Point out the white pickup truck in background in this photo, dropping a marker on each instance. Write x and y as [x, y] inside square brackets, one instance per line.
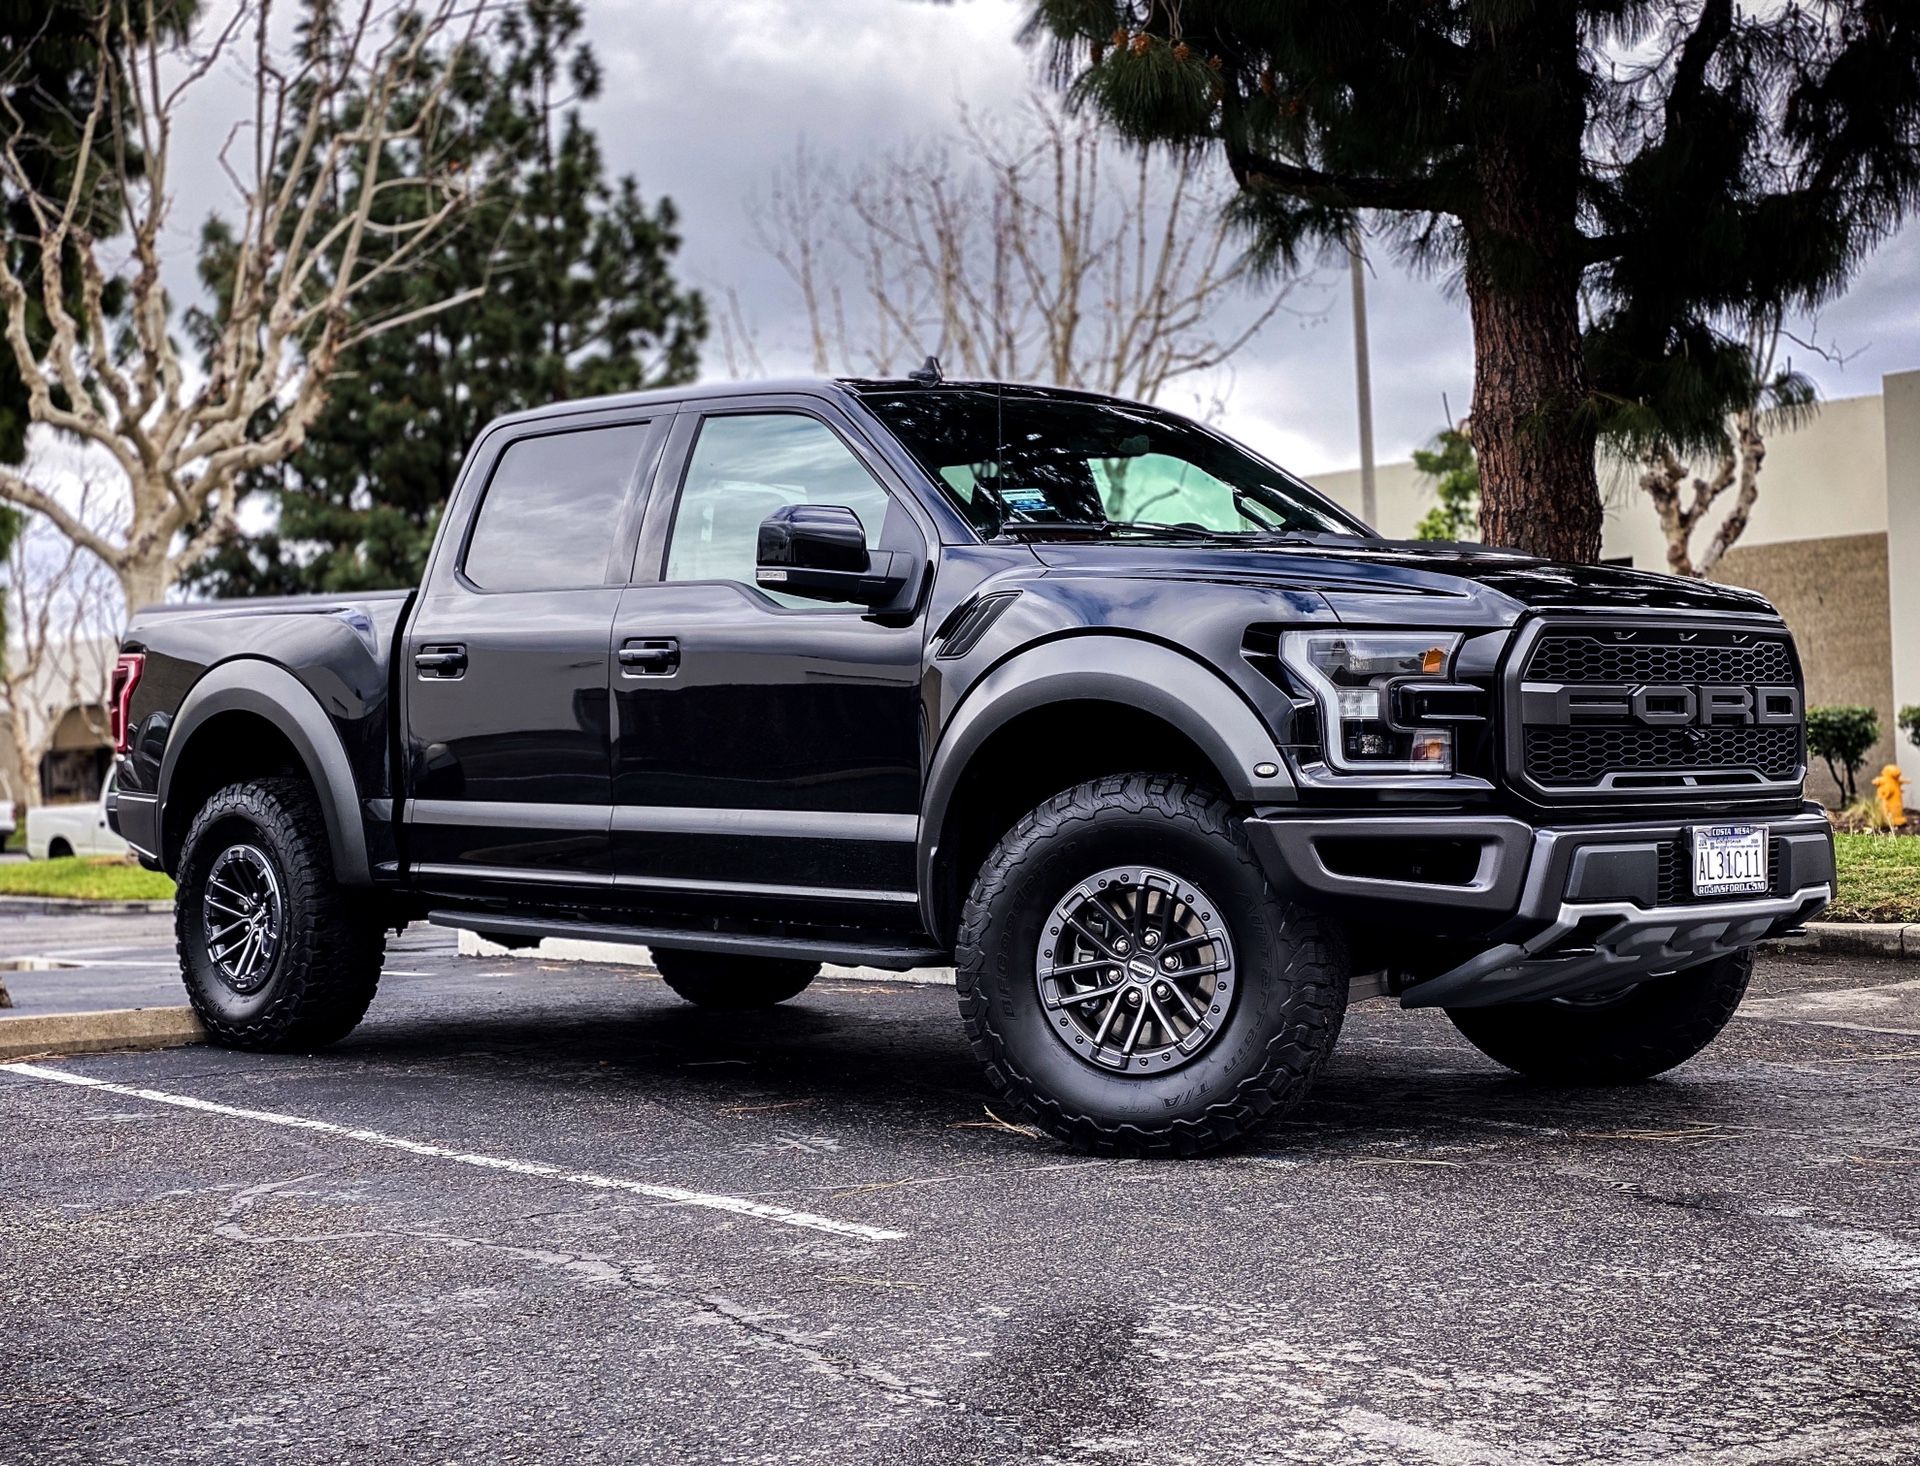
[57, 830]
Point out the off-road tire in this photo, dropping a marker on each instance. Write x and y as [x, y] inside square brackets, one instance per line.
[1292, 974]
[717, 980]
[1645, 1031]
[327, 965]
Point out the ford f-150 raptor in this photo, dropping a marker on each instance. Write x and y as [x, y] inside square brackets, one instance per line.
[1167, 753]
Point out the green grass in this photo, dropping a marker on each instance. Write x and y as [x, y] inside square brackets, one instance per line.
[83, 879]
[1879, 879]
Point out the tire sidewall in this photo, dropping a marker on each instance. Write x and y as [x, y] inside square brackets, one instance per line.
[236, 816]
[1028, 1038]
[1648, 1030]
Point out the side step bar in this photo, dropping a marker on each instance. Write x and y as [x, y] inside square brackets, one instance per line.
[844, 954]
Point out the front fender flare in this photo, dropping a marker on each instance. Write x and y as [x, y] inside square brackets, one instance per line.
[269, 691]
[1147, 675]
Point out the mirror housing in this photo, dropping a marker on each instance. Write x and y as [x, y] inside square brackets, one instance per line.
[820, 551]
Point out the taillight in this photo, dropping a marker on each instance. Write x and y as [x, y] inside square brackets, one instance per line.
[126, 677]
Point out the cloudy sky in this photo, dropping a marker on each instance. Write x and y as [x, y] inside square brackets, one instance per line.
[703, 101]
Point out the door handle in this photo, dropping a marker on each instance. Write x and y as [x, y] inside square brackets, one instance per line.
[655, 657]
[440, 662]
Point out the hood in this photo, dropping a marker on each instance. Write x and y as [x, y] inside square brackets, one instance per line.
[1377, 581]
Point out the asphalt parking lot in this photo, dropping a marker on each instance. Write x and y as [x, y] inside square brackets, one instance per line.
[547, 1212]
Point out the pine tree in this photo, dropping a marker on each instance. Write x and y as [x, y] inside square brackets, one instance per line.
[579, 298]
[1621, 184]
[1450, 463]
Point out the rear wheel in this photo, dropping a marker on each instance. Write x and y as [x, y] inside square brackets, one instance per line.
[1131, 982]
[717, 980]
[275, 952]
[1615, 1038]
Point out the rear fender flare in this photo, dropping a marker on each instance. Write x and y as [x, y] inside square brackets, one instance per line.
[1147, 675]
[269, 691]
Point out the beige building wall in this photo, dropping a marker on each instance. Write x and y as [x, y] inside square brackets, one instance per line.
[1903, 566]
[1833, 593]
[1826, 477]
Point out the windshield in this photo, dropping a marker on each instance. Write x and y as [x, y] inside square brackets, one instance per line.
[1021, 461]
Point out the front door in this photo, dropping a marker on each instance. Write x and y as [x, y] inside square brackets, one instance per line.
[506, 664]
[766, 748]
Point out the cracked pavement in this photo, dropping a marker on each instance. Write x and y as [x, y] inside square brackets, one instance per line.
[1432, 1261]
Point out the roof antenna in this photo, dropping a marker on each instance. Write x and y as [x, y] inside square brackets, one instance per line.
[927, 374]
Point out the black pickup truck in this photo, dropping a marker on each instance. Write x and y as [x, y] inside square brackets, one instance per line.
[1168, 754]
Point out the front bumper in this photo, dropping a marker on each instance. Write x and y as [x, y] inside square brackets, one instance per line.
[1555, 911]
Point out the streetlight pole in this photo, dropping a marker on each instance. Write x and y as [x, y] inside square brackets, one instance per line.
[1363, 377]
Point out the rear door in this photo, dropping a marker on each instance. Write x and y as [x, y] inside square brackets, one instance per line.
[505, 664]
[766, 748]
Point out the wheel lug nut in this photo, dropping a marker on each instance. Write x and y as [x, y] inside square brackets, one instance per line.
[1120, 944]
[1160, 989]
[1133, 998]
[1170, 962]
[1152, 939]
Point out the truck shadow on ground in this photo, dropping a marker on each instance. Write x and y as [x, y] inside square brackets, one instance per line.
[1392, 1085]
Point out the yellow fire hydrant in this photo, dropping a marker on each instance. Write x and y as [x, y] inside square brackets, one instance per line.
[1890, 787]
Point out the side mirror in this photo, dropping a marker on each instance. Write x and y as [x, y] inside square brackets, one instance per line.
[820, 551]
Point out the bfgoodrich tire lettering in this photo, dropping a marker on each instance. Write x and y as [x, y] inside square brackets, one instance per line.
[1290, 973]
[1643, 1032]
[326, 946]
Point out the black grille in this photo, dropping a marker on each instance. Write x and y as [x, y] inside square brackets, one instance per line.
[1676, 875]
[1606, 749]
[1576, 657]
[1583, 755]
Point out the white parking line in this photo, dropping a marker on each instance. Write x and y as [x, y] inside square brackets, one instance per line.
[675, 1194]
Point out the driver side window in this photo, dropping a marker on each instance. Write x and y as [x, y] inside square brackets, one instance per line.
[746, 465]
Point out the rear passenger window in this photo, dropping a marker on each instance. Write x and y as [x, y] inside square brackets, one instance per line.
[548, 520]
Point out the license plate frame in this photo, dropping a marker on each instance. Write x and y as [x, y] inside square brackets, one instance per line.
[1729, 860]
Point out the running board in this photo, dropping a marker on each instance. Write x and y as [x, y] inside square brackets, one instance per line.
[842, 954]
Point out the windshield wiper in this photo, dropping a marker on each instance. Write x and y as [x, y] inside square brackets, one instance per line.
[1100, 528]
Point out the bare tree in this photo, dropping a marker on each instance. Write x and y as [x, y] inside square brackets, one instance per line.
[1781, 397]
[342, 134]
[63, 610]
[1033, 248]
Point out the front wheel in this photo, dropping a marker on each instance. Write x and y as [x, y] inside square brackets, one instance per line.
[1128, 978]
[275, 952]
[1620, 1038]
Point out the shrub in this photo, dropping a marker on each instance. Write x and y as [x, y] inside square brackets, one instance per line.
[1843, 736]
[1909, 721]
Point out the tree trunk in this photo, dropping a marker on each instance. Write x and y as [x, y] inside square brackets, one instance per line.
[1539, 491]
[144, 581]
[25, 774]
[1532, 425]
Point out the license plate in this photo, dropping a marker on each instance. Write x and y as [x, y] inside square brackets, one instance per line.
[1730, 860]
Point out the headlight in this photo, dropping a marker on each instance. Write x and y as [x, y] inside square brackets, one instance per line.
[1356, 678]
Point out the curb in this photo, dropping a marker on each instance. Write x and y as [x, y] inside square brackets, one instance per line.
[57, 905]
[1854, 939]
[93, 1033]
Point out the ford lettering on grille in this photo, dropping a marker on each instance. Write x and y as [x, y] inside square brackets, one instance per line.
[1624, 711]
[1657, 704]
